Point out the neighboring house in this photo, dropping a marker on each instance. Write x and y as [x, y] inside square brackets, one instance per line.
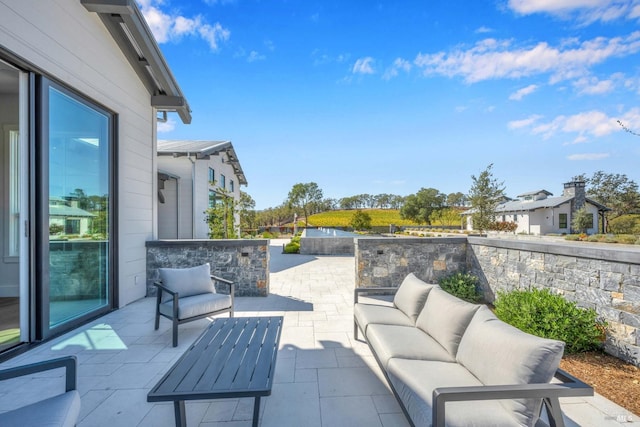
[192, 177]
[68, 218]
[537, 213]
[82, 83]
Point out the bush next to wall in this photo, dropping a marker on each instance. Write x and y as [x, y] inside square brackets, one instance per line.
[463, 285]
[542, 313]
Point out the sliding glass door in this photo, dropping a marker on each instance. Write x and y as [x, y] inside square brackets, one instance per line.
[76, 208]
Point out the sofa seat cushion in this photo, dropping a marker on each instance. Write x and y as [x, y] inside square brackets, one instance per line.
[498, 353]
[445, 317]
[62, 410]
[368, 314]
[406, 342]
[415, 380]
[411, 296]
[197, 305]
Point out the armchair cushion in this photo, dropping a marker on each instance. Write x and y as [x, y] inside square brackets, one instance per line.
[187, 281]
[59, 411]
[411, 296]
[197, 305]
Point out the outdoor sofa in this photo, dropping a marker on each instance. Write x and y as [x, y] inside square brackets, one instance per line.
[450, 362]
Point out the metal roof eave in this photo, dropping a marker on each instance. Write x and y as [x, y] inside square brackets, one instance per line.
[127, 26]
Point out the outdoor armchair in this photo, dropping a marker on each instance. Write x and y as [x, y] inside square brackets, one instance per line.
[188, 294]
[61, 410]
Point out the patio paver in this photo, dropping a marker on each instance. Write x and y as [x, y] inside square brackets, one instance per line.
[324, 378]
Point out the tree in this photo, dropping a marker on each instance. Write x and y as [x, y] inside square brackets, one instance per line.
[456, 199]
[304, 197]
[485, 195]
[360, 221]
[447, 217]
[246, 210]
[419, 207]
[582, 220]
[220, 217]
[615, 191]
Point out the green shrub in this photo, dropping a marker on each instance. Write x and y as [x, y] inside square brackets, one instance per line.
[462, 285]
[292, 248]
[547, 315]
[267, 235]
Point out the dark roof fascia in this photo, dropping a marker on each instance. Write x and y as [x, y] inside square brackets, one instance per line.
[533, 193]
[600, 207]
[127, 26]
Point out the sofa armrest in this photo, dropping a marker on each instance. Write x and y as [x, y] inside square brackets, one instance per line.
[386, 289]
[162, 288]
[68, 362]
[570, 387]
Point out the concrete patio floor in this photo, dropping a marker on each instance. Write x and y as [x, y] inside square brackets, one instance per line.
[324, 378]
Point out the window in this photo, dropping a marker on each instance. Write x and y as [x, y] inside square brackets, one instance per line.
[222, 182]
[212, 199]
[562, 220]
[231, 186]
[212, 175]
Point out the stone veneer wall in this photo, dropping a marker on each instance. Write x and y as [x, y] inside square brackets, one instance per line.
[246, 262]
[387, 261]
[606, 278]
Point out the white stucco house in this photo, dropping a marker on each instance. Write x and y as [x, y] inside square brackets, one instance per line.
[538, 212]
[82, 83]
[192, 177]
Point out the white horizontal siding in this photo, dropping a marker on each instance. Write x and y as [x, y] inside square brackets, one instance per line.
[71, 45]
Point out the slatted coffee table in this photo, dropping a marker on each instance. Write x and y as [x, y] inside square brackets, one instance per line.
[234, 357]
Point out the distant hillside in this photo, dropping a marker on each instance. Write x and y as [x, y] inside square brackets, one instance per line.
[342, 218]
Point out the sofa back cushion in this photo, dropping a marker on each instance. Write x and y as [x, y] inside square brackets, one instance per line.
[411, 295]
[187, 281]
[497, 353]
[445, 317]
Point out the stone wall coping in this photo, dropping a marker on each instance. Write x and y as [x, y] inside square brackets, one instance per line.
[206, 242]
[403, 240]
[610, 252]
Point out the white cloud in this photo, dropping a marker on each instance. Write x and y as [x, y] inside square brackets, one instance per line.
[588, 123]
[517, 124]
[398, 65]
[585, 11]
[588, 156]
[594, 86]
[254, 56]
[521, 93]
[168, 126]
[493, 59]
[483, 30]
[167, 27]
[363, 66]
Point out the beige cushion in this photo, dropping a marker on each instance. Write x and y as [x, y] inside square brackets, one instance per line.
[407, 342]
[368, 314]
[498, 353]
[414, 381]
[445, 317]
[197, 305]
[411, 295]
[187, 281]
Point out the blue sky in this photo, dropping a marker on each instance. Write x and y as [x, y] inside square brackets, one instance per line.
[393, 96]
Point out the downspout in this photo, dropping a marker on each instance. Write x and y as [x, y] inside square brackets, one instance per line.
[193, 196]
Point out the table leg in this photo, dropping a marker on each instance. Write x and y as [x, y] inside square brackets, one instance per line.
[180, 413]
[256, 411]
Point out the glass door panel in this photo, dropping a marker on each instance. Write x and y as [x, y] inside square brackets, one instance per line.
[78, 198]
[11, 327]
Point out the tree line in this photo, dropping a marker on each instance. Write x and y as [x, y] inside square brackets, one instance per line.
[429, 205]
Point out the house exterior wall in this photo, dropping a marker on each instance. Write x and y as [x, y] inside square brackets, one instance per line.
[70, 44]
[192, 218]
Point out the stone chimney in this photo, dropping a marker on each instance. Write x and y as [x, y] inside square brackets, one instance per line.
[577, 190]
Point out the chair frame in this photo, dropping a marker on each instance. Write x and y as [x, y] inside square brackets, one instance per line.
[176, 305]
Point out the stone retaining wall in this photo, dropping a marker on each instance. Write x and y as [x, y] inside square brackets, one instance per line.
[603, 277]
[326, 245]
[246, 262]
[386, 261]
